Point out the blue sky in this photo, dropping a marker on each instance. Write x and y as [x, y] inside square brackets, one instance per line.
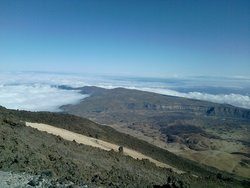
[142, 38]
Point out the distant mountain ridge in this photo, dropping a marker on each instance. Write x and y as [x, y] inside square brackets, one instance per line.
[165, 102]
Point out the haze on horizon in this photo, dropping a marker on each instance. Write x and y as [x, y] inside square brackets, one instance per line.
[142, 38]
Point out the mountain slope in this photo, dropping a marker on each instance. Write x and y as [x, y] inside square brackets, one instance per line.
[190, 128]
[26, 149]
[94, 142]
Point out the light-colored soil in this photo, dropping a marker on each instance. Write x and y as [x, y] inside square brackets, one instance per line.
[69, 135]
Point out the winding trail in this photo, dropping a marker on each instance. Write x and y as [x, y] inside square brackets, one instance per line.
[79, 138]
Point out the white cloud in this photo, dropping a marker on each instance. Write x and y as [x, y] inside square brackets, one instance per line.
[233, 99]
[37, 97]
[35, 91]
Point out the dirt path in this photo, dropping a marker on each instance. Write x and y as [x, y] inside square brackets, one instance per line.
[79, 138]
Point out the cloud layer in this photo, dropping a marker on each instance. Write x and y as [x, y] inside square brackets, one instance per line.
[233, 99]
[37, 97]
[37, 92]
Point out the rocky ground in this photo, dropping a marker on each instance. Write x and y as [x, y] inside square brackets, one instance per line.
[51, 161]
[24, 180]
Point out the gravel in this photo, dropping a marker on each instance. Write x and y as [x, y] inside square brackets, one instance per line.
[24, 180]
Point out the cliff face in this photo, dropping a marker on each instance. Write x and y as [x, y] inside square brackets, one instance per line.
[210, 110]
[228, 111]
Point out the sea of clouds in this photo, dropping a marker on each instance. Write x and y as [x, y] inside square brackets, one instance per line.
[39, 91]
[37, 97]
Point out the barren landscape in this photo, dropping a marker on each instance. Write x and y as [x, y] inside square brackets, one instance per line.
[208, 133]
[124, 94]
[51, 160]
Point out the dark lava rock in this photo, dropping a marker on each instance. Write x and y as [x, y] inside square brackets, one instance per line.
[33, 182]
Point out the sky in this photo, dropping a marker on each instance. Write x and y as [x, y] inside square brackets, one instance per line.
[159, 38]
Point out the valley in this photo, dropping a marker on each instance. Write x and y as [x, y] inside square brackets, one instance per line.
[205, 132]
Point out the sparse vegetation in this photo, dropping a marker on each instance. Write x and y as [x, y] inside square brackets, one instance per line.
[194, 125]
[25, 149]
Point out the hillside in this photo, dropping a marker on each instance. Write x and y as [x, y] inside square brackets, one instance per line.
[208, 133]
[24, 149]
